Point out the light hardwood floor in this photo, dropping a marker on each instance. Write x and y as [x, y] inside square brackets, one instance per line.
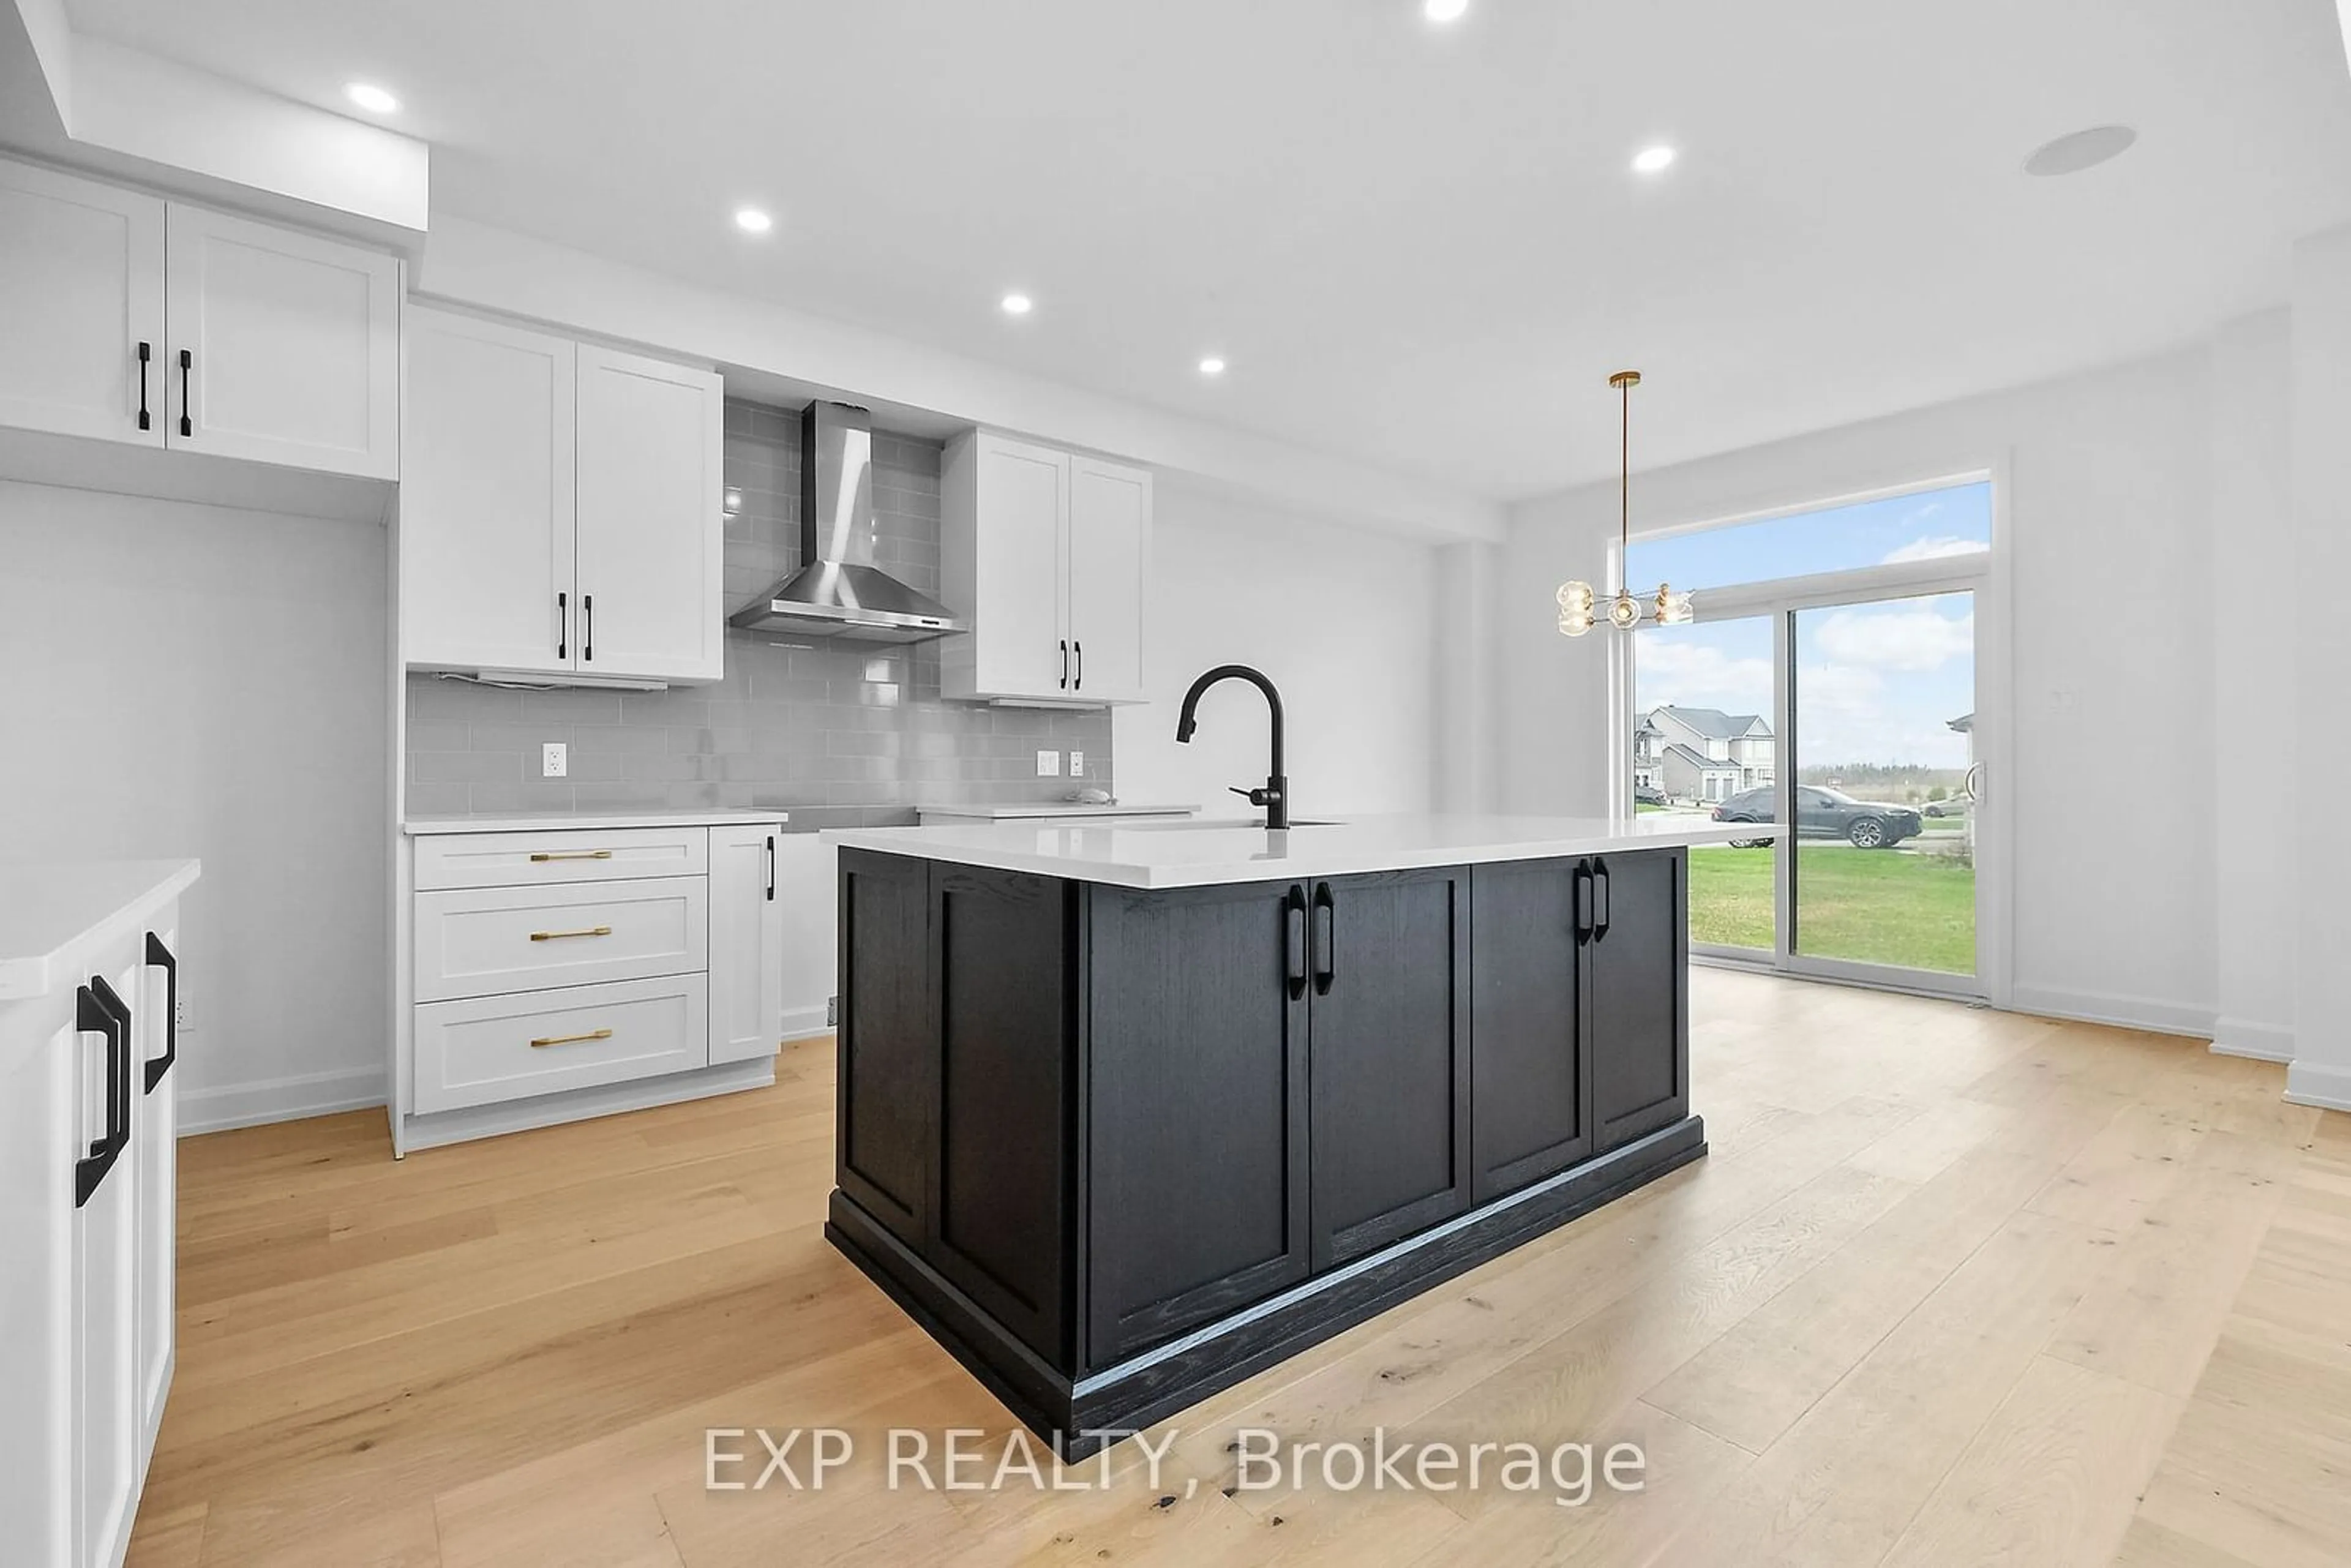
[1953, 1287]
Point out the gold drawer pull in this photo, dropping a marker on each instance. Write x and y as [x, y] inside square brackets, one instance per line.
[541, 855]
[571, 1039]
[558, 935]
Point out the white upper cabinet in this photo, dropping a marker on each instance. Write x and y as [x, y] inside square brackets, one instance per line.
[127, 318]
[652, 525]
[285, 348]
[1110, 540]
[81, 295]
[1046, 550]
[560, 508]
[485, 496]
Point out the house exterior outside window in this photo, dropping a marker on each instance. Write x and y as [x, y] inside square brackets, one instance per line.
[1702, 755]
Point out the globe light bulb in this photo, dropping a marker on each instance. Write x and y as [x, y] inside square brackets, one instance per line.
[1574, 623]
[1624, 612]
[1576, 598]
[1684, 611]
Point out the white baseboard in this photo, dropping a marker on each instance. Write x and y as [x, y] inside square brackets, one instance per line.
[805, 1023]
[445, 1127]
[2254, 1042]
[2108, 1007]
[218, 1109]
[2328, 1088]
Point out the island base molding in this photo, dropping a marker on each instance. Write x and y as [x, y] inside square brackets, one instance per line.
[1079, 1417]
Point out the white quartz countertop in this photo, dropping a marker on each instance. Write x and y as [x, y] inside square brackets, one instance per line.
[1204, 854]
[50, 911]
[1029, 810]
[590, 822]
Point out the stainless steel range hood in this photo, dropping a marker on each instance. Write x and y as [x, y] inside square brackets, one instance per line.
[839, 592]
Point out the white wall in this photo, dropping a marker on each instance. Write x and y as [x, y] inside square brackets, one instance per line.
[1343, 622]
[2320, 644]
[2257, 776]
[187, 680]
[2107, 509]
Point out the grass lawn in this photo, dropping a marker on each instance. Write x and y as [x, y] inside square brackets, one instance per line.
[1875, 906]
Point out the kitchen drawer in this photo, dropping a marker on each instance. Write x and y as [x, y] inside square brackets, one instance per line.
[485, 1050]
[552, 859]
[486, 941]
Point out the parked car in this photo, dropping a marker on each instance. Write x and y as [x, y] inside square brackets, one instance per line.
[1825, 813]
[1957, 805]
[1648, 795]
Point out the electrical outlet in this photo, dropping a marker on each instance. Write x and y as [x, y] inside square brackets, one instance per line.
[184, 1015]
[1049, 765]
[832, 1013]
[554, 759]
[1077, 764]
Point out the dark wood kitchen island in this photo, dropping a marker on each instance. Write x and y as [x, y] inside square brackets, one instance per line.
[1127, 1114]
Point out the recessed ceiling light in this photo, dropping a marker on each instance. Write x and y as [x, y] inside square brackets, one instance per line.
[372, 99]
[1443, 10]
[1018, 305]
[752, 221]
[1653, 160]
[1212, 366]
[2081, 150]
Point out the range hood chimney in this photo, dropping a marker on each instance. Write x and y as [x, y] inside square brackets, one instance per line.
[838, 592]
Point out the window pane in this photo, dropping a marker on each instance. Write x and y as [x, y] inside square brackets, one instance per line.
[1885, 705]
[1702, 745]
[1921, 526]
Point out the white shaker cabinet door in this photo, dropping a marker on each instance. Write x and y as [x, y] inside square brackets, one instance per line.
[1020, 631]
[284, 347]
[1110, 543]
[649, 567]
[486, 497]
[155, 1128]
[104, 1288]
[747, 945]
[81, 294]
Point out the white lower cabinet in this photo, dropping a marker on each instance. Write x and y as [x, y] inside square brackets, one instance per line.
[88, 1202]
[545, 962]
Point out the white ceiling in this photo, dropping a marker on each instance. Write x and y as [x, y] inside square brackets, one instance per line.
[1421, 246]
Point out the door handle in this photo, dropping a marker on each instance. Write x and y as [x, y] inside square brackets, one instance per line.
[559, 936]
[562, 625]
[97, 1011]
[1079, 685]
[187, 420]
[1326, 939]
[1294, 939]
[159, 957]
[587, 627]
[543, 1041]
[1065, 663]
[1582, 913]
[771, 868]
[146, 352]
[1600, 900]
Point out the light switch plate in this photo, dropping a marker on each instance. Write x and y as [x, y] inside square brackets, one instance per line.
[1049, 765]
[1077, 764]
[554, 759]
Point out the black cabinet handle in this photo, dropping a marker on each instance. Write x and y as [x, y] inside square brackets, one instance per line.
[562, 625]
[1079, 685]
[1326, 939]
[771, 868]
[587, 627]
[1065, 663]
[187, 423]
[97, 1011]
[1294, 939]
[1600, 900]
[159, 957]
[1582, 901]
[146, 352]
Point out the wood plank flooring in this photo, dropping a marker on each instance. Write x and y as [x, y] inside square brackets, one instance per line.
[1953, 1287]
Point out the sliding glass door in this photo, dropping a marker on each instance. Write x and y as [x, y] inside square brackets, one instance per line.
[1843, 704]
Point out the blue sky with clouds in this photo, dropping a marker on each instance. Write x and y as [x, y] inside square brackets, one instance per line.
[1875, 682]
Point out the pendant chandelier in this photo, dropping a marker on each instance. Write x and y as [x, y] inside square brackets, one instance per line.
[1579, 607]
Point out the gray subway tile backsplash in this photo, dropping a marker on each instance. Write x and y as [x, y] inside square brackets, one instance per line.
[840, 734]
